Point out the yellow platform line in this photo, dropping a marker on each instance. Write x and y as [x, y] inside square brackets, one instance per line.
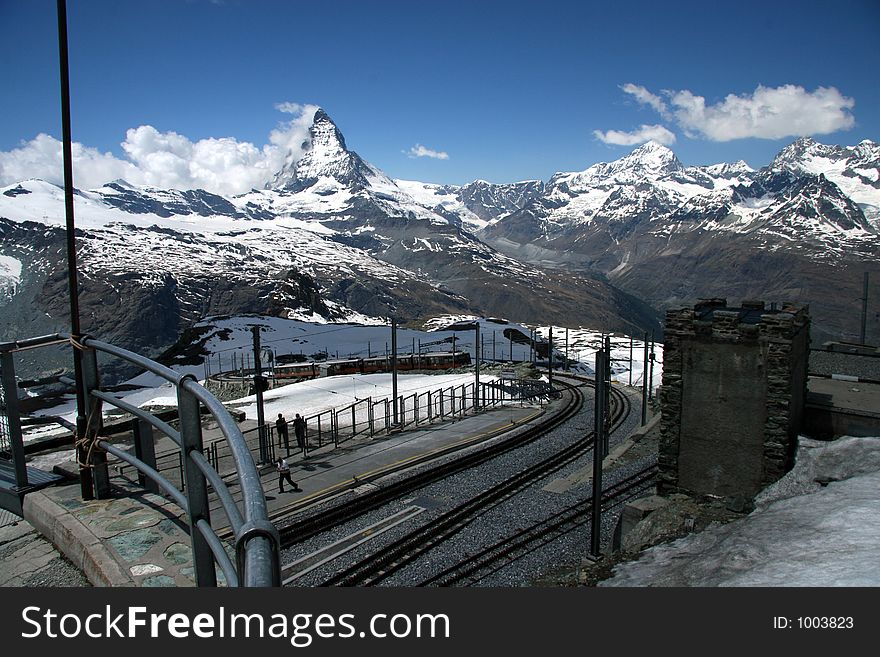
[366, 477]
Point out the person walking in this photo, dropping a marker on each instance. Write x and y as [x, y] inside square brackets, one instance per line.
[283, 470]
[283, 437]
[299, 430]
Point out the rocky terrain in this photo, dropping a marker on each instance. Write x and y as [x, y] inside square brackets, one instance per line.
[332, 238]
[804, 228]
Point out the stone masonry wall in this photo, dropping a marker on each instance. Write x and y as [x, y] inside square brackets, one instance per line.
[764, 359]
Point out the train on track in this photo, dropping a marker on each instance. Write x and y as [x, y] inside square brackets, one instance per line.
[425, 361]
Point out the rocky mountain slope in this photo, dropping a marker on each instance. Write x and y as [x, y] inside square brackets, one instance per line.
[329, 238]
[805, 228]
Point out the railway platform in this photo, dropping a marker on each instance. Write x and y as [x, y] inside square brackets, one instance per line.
[139, 538]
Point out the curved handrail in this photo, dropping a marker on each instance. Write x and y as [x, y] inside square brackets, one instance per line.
[257, 552]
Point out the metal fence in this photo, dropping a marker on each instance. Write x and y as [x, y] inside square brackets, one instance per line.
[364, 419]
[186, 476]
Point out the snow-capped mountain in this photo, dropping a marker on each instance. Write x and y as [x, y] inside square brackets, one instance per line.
[666, 232]
[476, 204]
[331, 238]
[854, 169]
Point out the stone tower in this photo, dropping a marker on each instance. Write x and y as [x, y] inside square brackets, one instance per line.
[734, 387]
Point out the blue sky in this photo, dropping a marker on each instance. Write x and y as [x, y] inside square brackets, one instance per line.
[506, 90]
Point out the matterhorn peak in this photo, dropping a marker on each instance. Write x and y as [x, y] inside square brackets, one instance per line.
[325, 155]
[324, 133]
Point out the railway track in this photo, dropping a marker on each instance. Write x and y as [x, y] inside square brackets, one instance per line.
[476, 567]
[377, 567]
[325, 519]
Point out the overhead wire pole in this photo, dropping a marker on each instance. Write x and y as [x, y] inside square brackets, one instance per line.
[477, 366]
[395, 411]
[630, 361]
[258, 387]
[85, 473]
[605, 446]
[566, 349]
[645, 383]
[598, 441]
[863, 333]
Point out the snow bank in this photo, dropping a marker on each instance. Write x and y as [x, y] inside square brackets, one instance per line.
[817, 526]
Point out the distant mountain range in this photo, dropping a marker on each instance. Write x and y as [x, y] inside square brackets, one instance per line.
[332, 238]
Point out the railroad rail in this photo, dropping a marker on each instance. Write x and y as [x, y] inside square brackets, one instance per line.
[476, 567]
[324, 519]
[377, 567]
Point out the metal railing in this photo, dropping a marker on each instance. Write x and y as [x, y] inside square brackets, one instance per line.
[364, 419]
[256, 539]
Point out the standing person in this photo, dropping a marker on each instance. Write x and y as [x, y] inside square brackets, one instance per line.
[284, 473]
[281, 426]
[299, 429]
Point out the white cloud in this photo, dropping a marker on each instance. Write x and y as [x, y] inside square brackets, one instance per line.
[167, 159]
[645, 133]
[645, 97]
[420, 151]
[41, 158]
[768, 113]
[290, 108]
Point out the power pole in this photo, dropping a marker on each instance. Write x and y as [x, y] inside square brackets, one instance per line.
[395, 419]
[630, 361]
[598, 440]
[258, 385]
[645, 383]
[550, 358]
[566, 349]
[607, 387]
[477, 338]
[864, 311]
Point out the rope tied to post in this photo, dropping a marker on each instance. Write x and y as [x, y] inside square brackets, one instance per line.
[87, 443]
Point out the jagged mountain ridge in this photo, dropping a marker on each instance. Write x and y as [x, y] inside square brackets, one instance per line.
[801, 229]
[331, 238]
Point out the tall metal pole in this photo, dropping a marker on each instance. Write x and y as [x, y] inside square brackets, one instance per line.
[645, 383]
[394, 416]
[85, 474]
[477, 338]
[566, 349]
[550, 358]
[651, 369]
[630, 361]
[258, 386]
[864, 311]
[607, 402]
[599, 433]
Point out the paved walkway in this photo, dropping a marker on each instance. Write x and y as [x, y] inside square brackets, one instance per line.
[140, 538]
[846, 395]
